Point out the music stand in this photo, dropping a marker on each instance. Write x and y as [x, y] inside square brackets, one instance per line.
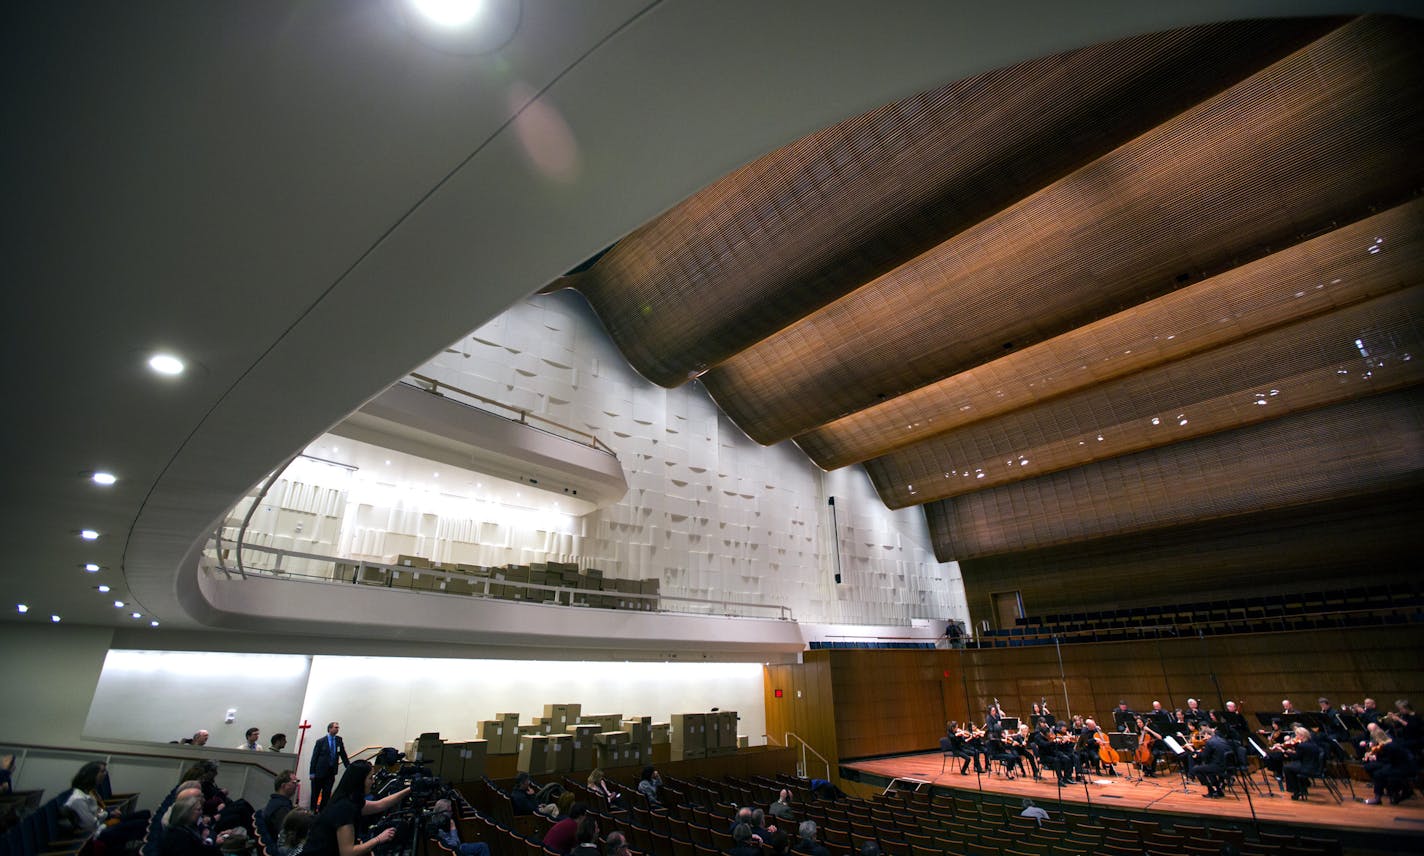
[1126, 720]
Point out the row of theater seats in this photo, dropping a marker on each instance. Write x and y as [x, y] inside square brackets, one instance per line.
[1366, 606]
[902, 824]
[40, 830]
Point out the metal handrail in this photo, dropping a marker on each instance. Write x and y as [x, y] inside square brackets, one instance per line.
[807, 746]
[524, 415]
[784, 613]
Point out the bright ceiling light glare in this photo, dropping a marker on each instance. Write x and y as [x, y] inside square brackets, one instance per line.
[91, 568]
[22, 608]
[89, 534]
[118, 604]
[54, 618]
[450, 14]
[105, 479]
[137, 615]
[103, 589]
[153, 623]
[166, 364]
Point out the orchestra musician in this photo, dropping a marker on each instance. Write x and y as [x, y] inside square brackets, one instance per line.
[1194, 713]
[1211, 762]
[1309, 761]
[1149, 746]
[1279, 744]
[1019, 745]
[1390, 767]
[963, 743]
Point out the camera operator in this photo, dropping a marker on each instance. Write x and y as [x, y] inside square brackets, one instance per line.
[334, 833]
[442, 824]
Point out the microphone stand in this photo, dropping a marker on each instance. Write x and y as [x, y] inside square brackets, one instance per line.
[1255, 821]
[978, 777]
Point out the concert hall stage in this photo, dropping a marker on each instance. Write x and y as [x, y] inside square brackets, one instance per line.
[1371, 826]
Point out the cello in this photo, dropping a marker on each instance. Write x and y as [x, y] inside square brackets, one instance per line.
[1143, 755]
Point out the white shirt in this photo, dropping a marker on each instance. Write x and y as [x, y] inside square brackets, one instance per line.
[249, 747]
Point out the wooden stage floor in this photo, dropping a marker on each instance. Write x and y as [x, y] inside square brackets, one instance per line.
[1163, 795]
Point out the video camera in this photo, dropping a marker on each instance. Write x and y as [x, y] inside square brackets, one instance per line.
[416, 811]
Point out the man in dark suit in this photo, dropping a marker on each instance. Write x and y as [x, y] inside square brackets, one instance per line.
[326, 754]
[1211, 763]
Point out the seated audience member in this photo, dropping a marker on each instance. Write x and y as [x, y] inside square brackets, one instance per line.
[743, 843]
[279, 742]
[587, 837]
[806, 842]
[615, 844]
[743, 816]
[206, 774]
[563, 835]
[598, 784]
[199, 738]
[235, 842]
[183, 837]
[1033, 811]
[92, 820]
[280, 802]
[251, 740]
[780, 843]
[295, 827]
[521, 798]
[334, 832]
[7, 768]
[760, 831]
[869, 848]
[781, 809]
[648, 784]
[188, 788]
[442, 822]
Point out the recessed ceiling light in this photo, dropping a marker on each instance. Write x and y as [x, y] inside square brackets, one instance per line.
[448, 13]
[54, 618]
[22, 608]
[91, 568]
[138, 615]
[103, 589]
[89, 534]
[153, 623]
[166, 364]
[118, 604]
[104, 479]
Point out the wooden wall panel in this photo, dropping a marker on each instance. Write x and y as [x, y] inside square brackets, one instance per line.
[807, 706]
[1309, 548]
[889, 702]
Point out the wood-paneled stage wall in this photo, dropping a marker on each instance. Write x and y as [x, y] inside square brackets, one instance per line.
[858, 703]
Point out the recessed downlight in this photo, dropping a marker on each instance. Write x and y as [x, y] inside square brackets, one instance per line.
[448, 13]
[91, 568]
[153, 623]
[22, 608]
[166, 364]
[103, 478]
[118, 604]
[89, 534]
[54, 618]
[137, 615]
[103, 589]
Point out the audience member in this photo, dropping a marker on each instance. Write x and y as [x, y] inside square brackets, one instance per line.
[598, 784]
[279, 742]
[782, 807]
[296, 826]
[615, 844]
[587, 837]
[107, 826]
[7, 768]
[563, 835]
[199, 738]
[648, 784]
[182, 835]
[521, 797]
[251, 740]
[743, 843]
[442, 821]
[1033, 811]
[280, 802]
[780, 843]
[760, 831]
[806, 843]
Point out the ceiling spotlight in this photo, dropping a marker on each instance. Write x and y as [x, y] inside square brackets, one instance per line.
[137, 615]
[118, 604]
[105, 479]
[22, 608]
[153, 623]
[448, 13]
[91, 568]
[54, 618]
[103, 589]
[166, 364]
[89, 534]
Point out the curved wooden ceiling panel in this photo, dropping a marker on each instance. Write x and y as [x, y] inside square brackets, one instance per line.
[1318, 136]
[1359, 351]
[1320, 275]
[1347, 450]
[823, 215]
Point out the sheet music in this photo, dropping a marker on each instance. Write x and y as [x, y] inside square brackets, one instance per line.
[1172, 744]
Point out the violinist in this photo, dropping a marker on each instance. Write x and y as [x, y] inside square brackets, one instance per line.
[1390, 767]
[1309, 761]
[1042, 713]
[960, 747]
[1211, 762]
[1405, 726]
[1279, 744]
[1019, 745]
[1050, 755]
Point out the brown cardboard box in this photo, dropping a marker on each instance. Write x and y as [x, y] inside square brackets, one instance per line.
[473, 756]
[373, 576]
[561, 753]
[533, 753]
[407, 561]
[492, 731]
[582, 745]
[344, 572]
[660, 733]
[604, 721]
[743, 741]
[688, 733]
[425, 581]
[562, 715]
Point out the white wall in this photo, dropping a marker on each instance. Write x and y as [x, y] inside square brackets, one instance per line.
[708, 511]
[385, 701]
[180, 692]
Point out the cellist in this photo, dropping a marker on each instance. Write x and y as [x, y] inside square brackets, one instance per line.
[1145, 757]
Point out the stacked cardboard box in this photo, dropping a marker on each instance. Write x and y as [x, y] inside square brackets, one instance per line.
[721, 733]
[612, 749]
[562, 715]
[534, 754]
[604, 721]
[463, 762]
[426, 747]
[561, 753]
[688, 736]
[640, 737]
[661, 733]
[502, 733]
[582, 745]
